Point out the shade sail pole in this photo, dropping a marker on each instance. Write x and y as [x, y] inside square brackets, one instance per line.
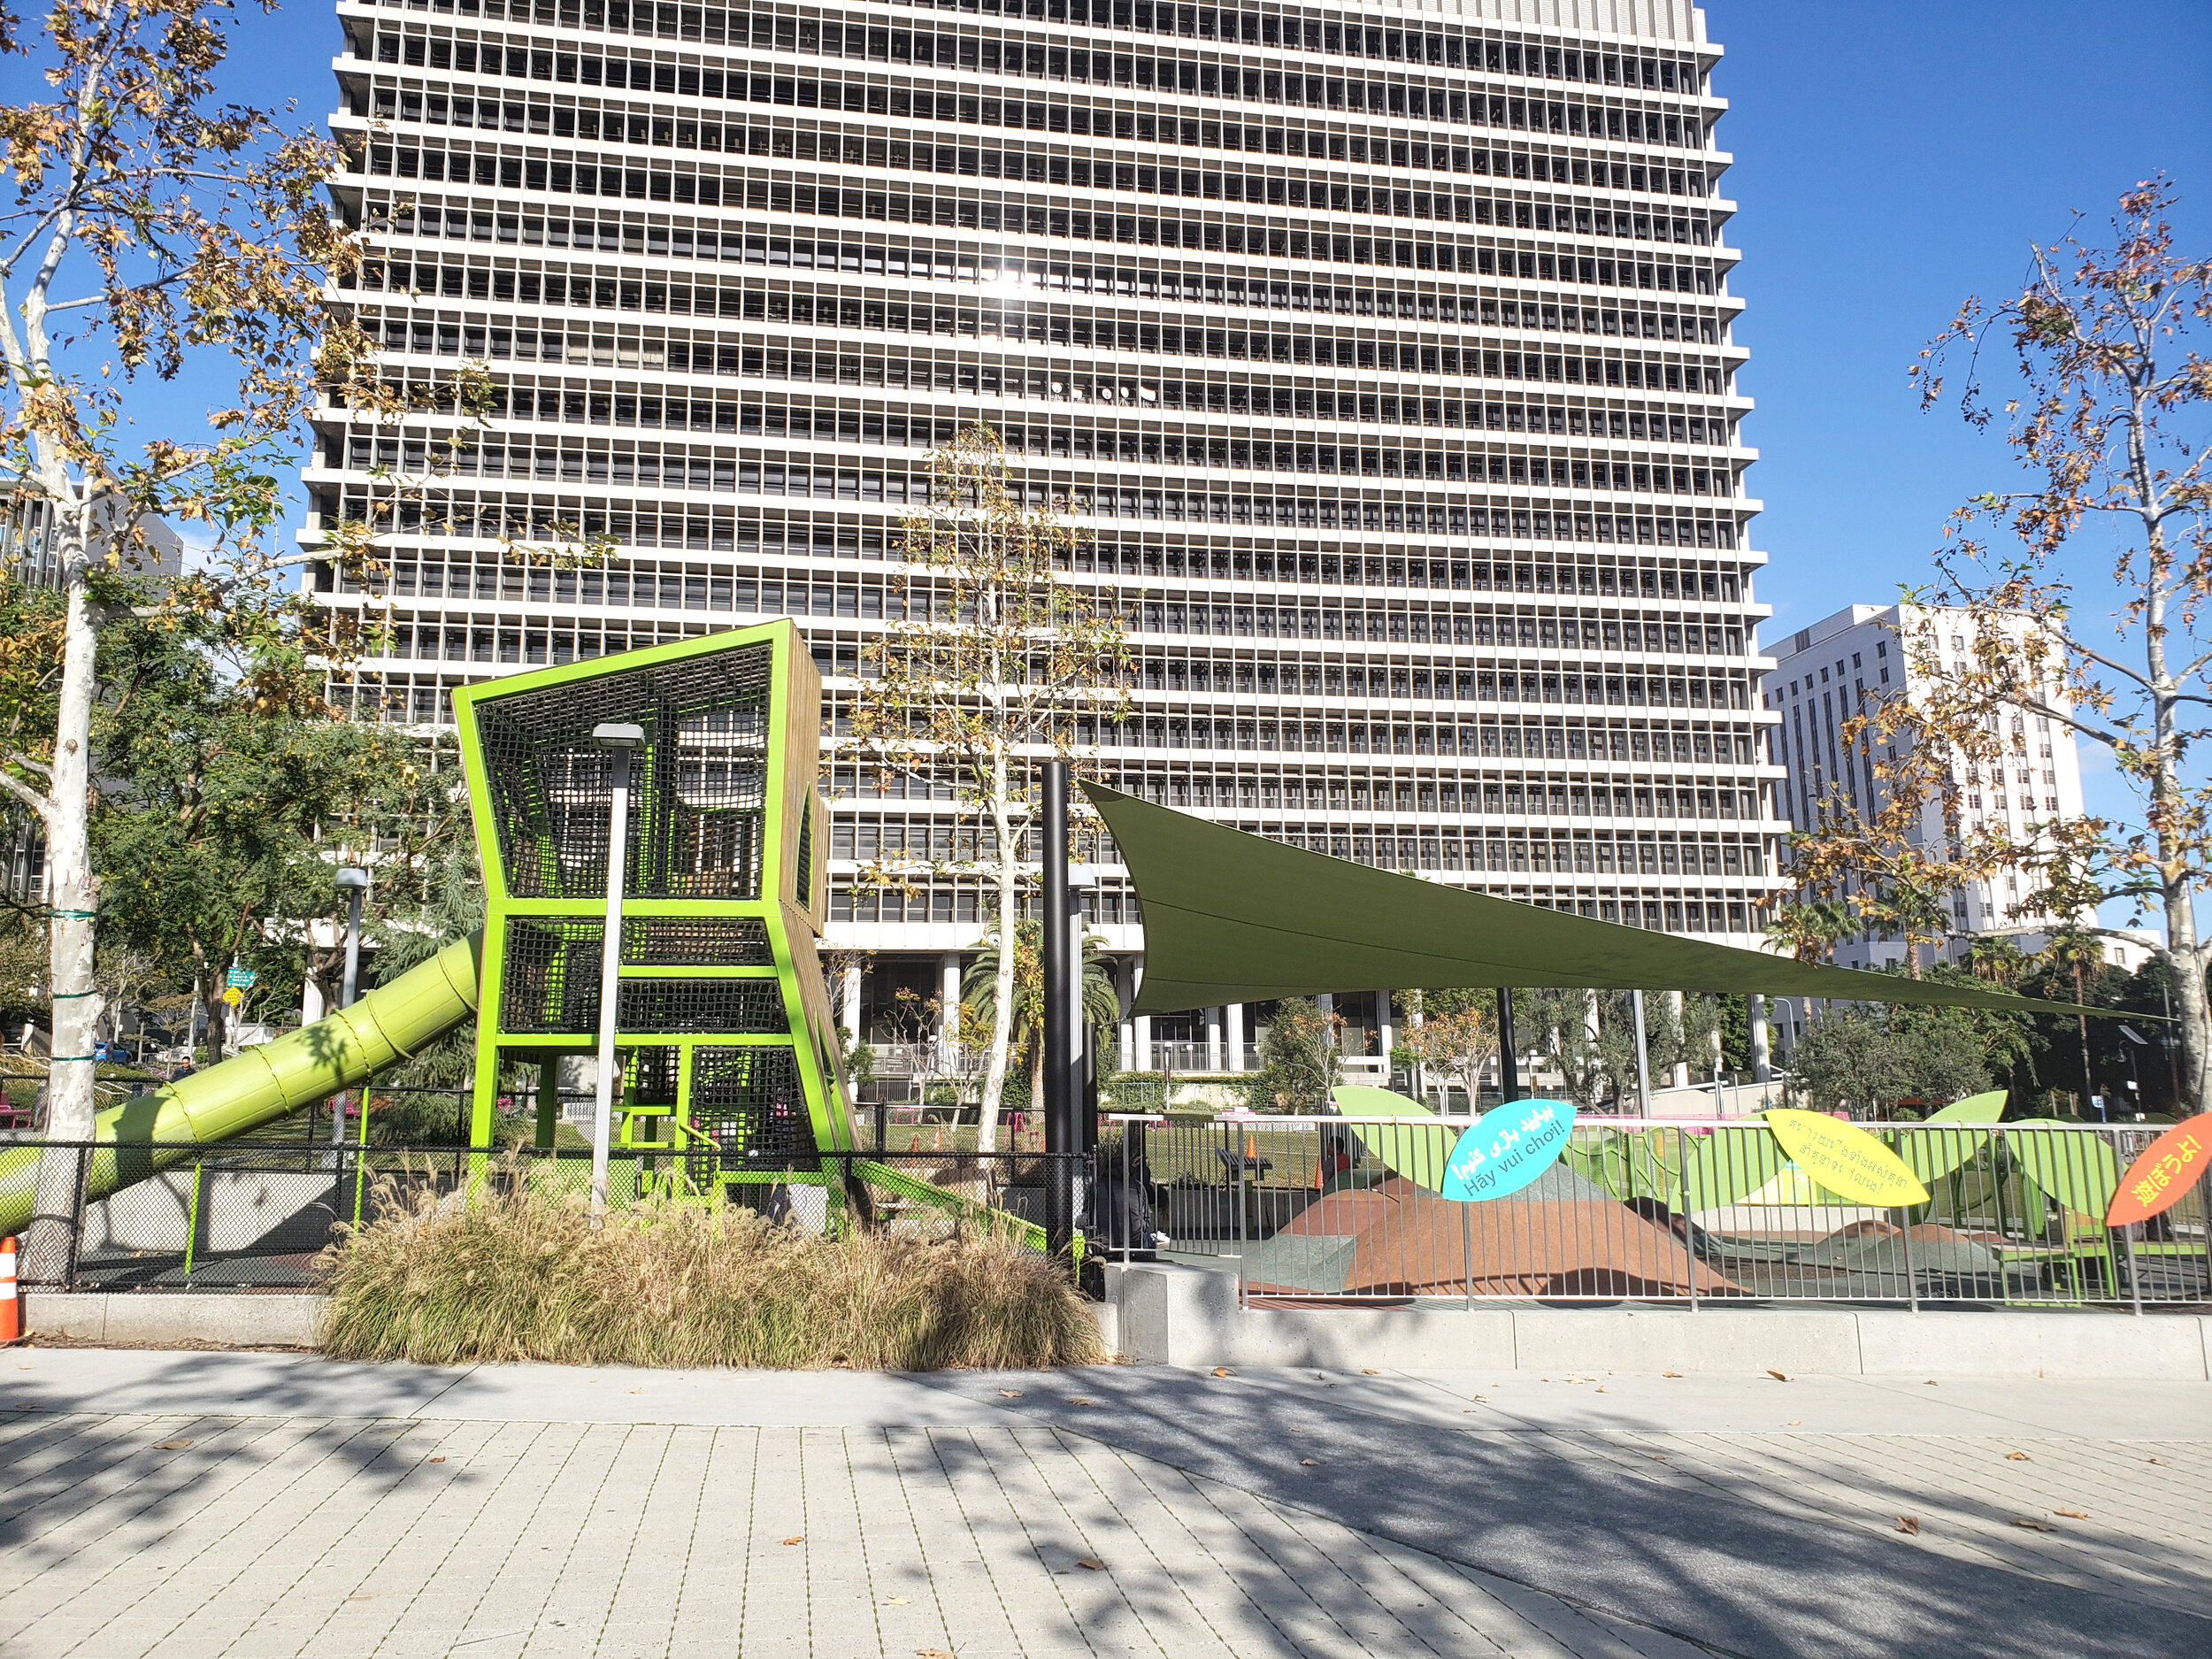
[1643, 1057]
[1509, 1061]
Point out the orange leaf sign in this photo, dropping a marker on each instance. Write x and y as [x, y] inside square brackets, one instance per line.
[2169, 1167]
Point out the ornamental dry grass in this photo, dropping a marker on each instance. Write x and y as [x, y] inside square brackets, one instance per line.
[524, 1276]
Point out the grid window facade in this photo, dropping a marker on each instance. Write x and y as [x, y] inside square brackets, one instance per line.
[1386, 357]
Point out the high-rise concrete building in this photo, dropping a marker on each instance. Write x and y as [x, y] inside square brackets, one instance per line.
[1843, 665]
[1389, 349]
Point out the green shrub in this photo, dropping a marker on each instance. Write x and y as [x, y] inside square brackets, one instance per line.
[518, 1275]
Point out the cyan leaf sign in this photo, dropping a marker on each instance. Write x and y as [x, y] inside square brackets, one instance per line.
[1506, 1148]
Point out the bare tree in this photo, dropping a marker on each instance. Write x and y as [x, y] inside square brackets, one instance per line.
[1456, 1042]
[152, 225]
[984, 676]
[2107, 419]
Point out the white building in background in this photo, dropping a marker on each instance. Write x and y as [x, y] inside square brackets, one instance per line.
[1391, 347]
[1841, 665]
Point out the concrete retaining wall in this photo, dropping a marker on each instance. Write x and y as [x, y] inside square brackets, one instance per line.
[1180, 1316]
[236, 1318]
[1172, 1315]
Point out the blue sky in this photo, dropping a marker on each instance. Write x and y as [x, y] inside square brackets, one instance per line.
[1892, 159]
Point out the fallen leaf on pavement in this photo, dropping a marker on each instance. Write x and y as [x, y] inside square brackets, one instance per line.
[2074, 1515]
[1794, 1423]
[1308, 1463]
[1080, 1401]
[896, 1600]
[1091, 1563]
[1221, 1371]
[934, 1653]
[797, 1538]
[1670, 1373]
[1010, 1393]
[170, 1446]
[1909, 1524]
[440, 1458]
[1367, 1372]
[1777, 1375]
[2018, 1457]
[2034, 1525]
[2158, 1460]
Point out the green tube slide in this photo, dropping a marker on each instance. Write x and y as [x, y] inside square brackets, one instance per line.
[263, 1084]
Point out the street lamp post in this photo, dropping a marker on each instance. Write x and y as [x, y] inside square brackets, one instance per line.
[620, 742]
[353, 881]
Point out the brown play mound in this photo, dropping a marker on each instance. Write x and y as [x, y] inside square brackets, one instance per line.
[1563, 1238]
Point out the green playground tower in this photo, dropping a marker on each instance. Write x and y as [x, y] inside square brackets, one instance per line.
[730, 1072]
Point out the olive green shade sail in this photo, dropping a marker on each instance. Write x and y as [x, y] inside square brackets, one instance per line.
[1235, 917]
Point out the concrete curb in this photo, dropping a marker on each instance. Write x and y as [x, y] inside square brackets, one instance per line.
[233, 1318]
[1169, 1314]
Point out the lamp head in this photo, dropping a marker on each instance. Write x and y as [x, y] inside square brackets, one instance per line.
[618, 735]
[348, 876]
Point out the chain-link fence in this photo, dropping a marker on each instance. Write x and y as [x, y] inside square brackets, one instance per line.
[257, 1214]
[1337, 1211]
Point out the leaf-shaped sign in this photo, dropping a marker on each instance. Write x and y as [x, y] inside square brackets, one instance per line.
[1974, 1109]
[1727, 1165]
[1506, 1148]
[1415, 1151]
[2168, 1171]
[1947, 1139]
[1846, 1160]
[2074, 1166]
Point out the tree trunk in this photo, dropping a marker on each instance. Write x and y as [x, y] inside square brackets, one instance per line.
[1002, 980]
[1037, 1074]
[73, 896]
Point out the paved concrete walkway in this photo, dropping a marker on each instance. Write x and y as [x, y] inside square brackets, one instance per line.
[242, 1505]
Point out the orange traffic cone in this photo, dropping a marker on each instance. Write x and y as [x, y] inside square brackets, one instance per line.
[11, 1307]
[1251, 1148]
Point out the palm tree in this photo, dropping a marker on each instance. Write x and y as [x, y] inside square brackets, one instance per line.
[1996, 959]
[1102, 1003]
[2076, 949]
[1811, 927]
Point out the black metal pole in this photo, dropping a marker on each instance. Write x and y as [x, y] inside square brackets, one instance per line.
[1508, 1063]
[1064, 1134]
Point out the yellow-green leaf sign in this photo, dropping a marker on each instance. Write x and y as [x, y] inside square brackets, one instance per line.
[1846, 1160]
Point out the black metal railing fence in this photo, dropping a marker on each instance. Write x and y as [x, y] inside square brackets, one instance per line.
[1337, 1211]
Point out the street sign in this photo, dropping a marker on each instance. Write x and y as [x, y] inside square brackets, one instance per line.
[240, 978]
